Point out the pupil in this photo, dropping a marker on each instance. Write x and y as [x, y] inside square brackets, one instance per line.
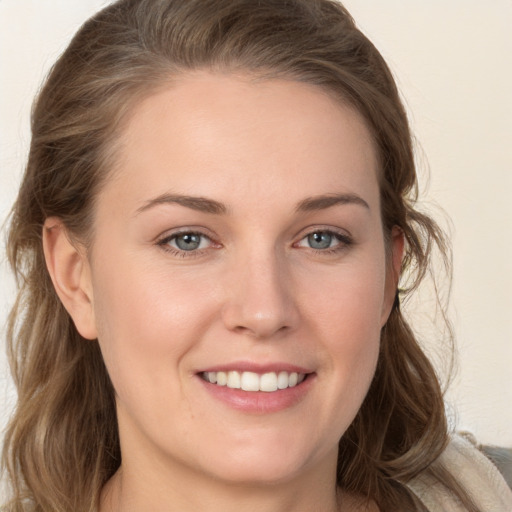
[320, 240]
[188, 242]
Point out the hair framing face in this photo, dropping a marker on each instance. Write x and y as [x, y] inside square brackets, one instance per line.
[120, 56]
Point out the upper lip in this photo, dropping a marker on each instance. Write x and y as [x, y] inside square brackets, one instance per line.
[247, 366]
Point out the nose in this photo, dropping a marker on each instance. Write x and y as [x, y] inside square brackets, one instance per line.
[260, 300]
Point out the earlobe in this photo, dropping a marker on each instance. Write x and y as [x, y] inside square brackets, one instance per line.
[394, 264]
[70, 274]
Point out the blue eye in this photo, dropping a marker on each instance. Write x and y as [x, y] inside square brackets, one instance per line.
[186, 242]
[321, 240]
[325, 240]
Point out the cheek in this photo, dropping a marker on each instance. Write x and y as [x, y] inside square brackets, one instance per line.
[353, 344]
[353, 354]
[347, 318]
[347, 302]
[147, 320]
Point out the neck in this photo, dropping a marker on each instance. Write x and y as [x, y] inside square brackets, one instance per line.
[132, 489]
[150, 479]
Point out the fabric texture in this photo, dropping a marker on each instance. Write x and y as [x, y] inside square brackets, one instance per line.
[474, 471]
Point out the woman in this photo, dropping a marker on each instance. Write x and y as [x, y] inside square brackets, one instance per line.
[218, 204]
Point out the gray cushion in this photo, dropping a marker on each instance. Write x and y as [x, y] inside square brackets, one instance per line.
[502, 458]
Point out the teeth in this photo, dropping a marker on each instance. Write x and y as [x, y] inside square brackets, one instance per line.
[250, 381]
[233, 380]
[283, 380]
[268, 382]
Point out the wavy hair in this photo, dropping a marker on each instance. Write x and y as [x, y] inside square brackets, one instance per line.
[62, 443]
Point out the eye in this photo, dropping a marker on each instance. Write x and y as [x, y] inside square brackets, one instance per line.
[186, 242]
[325, 240]
[321, 240]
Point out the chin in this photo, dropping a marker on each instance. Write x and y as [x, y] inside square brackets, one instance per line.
[257, 473]
[264, 467]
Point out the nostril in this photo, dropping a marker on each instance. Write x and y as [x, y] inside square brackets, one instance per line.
[261, 331]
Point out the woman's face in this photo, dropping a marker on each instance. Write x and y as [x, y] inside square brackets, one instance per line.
[238, 277]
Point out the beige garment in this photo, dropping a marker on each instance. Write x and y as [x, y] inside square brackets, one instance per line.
[475, 472]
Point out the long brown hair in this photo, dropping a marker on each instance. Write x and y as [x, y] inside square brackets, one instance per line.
[62, 445]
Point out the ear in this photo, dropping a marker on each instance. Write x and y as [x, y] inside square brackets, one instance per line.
[394, 264]
[70, 273]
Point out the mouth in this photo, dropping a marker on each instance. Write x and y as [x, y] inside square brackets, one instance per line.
[253, 382]
[258, 389]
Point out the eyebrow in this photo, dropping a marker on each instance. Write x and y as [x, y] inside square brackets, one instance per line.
[201, 204]
[325, 201]
[205, 205]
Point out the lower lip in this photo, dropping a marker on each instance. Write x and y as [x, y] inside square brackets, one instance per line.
[260, 402]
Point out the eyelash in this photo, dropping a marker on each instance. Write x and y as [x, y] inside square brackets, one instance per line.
[345, 241]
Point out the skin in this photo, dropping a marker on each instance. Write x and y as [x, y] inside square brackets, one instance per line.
[255, 291]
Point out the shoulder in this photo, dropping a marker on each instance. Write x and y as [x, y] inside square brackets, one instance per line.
[474, 472]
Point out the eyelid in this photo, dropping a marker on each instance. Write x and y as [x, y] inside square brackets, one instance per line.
[183, 230]
[340, 232]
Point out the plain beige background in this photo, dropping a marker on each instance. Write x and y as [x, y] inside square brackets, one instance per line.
[453, 63]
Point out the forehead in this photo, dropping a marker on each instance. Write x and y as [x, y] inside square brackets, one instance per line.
[213, 134]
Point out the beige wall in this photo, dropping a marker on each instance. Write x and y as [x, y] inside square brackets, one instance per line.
[453, 64]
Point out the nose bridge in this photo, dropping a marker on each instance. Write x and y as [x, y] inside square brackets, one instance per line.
[260, 301]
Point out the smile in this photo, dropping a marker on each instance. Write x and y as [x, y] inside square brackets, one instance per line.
[251, 381]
